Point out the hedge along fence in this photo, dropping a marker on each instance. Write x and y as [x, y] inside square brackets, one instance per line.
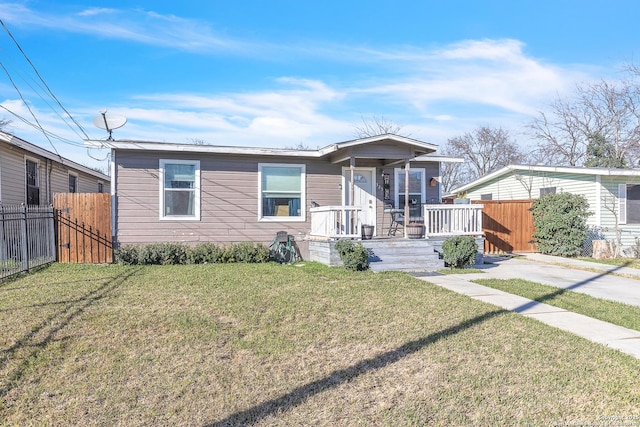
[202, 253]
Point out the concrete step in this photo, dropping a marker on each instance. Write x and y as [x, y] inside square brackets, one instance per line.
[402, 255]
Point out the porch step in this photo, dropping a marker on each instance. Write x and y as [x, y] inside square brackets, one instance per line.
[402, 255]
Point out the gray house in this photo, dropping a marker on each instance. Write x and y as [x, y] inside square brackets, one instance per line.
[193, 193]
[613, 194]
[31, 175]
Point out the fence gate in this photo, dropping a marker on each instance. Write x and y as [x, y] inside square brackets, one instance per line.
[508, 226]
[83, 227]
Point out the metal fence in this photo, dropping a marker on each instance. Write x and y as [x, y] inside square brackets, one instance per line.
[27, 236]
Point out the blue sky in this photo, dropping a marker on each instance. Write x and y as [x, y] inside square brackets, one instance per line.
[282, 73]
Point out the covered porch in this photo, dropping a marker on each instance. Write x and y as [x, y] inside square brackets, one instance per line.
[433, 220]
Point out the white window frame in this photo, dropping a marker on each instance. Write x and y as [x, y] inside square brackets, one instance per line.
[70, 174]
[398, 190]
[303, 195]
[196, 207]
[26, 191]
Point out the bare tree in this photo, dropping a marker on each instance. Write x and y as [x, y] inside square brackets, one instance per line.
[4, 123]
[485, 150]
[377, 126]
[600, 108]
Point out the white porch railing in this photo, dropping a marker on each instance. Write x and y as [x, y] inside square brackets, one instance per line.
[447, 220]
[336, 221]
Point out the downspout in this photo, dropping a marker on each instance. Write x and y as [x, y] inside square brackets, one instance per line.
[114, 201]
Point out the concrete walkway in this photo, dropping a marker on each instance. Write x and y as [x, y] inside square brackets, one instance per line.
[541, 269]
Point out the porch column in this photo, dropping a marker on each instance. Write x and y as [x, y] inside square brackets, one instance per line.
[407, 215]
[352, 184]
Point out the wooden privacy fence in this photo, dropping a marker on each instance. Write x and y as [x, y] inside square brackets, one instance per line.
[83, 227]
[507, 226]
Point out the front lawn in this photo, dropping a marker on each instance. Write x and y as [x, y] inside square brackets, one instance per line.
[239, 344]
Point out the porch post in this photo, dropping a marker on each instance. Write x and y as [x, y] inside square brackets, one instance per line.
[407, 167]
[352, 184]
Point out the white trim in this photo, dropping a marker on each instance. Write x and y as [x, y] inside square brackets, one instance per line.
[549, 169]
[257, 151]
[622, 203]
[598, 199]
[197, 192]
[303, 193]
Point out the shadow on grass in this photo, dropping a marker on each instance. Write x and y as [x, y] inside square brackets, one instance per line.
[52, 325]
[341, 376]
[561, 291]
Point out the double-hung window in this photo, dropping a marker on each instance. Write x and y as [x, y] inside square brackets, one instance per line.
[73, 183]
[179, 189]
[33, 182]
[417, 190]
[282, 195]
[629, 203]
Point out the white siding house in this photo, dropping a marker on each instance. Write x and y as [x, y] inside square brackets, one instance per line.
[613, 194]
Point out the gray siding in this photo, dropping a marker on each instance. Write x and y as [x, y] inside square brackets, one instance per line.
[229, 198]
[53, 176]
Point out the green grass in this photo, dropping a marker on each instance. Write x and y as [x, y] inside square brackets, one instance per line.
[621, 262]
[609, 311]
[469, 270]
[285, 345]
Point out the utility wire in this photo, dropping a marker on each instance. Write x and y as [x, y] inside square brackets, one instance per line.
[30, 110]
[41, 79]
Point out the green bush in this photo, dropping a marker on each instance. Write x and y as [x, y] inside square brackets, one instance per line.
[204, 253]
[355, 257]
[126, 255]
[560, 221]
[460, 251]
[163, 254]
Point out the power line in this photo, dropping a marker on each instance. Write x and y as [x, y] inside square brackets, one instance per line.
[41, 79]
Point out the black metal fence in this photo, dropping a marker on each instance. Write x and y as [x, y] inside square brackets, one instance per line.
[27, 238]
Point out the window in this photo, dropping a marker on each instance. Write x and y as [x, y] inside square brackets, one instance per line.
[488, 196]
[547, 190]
[629, 203]
[73, 183]
[100, 187]
[417, 190]
[281, 192]
[33, 182]
[180, 189]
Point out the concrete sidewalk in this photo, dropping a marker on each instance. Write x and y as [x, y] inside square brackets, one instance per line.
[600, 285]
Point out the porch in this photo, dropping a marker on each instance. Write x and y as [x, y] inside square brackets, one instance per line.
[437, 220]
[395, 252]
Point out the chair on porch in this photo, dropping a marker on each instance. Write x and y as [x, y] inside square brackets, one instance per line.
[397, 219]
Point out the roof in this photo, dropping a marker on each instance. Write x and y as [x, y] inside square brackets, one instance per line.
[553, 169]
[27, 146]
[421, 146]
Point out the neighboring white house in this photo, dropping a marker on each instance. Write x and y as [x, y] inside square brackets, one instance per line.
[613, 194]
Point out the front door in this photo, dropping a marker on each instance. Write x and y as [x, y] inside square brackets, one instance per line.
[363, 193]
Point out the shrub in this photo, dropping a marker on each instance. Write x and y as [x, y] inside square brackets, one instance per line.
[163, 254]
[460, 251]
[355, 257]
[126, 255]
[204, 253]
[561, 223]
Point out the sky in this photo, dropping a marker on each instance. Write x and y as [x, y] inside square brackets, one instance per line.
[285, 74]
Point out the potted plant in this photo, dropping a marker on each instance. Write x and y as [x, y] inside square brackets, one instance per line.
[415, 230]
[367, 232]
